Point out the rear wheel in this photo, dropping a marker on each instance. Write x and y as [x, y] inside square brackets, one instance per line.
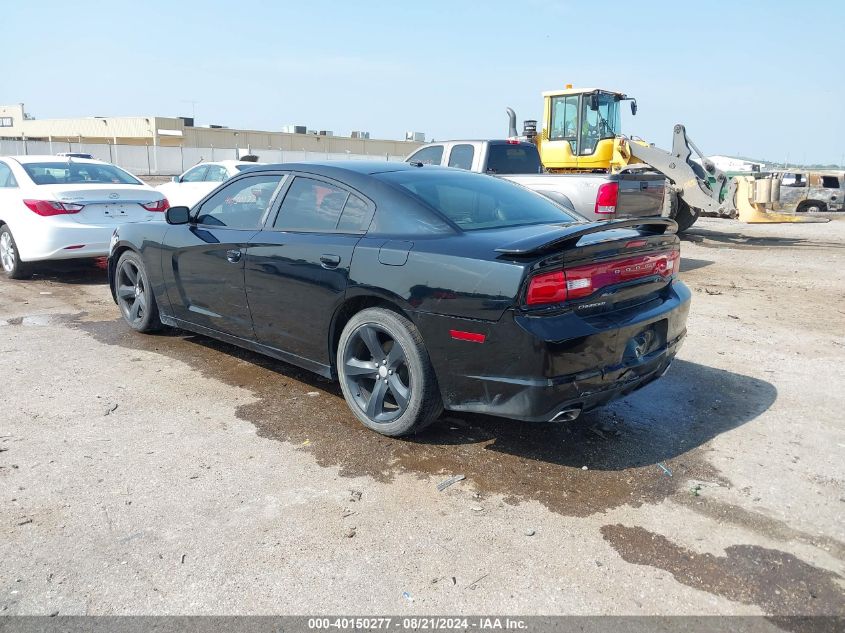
[811, 206]
[385, 373]
[135, 295]
[685, 215]
[10, 259]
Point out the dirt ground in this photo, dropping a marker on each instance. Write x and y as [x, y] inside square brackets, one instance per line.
[173, 474]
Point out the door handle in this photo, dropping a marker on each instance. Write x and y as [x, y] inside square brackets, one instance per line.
[234, 256]
[330, 261]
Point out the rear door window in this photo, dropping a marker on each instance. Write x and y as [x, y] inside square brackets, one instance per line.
[461, 156]
[312, 205]
[513, 159]
[355, 217]
[432, 155]
[830, 182]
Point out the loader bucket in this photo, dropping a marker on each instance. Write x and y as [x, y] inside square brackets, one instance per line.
[751, 200]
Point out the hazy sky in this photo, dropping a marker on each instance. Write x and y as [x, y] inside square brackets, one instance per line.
[761, 79]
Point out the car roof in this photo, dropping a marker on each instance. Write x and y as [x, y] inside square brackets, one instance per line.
[341, 167]
[49, 158]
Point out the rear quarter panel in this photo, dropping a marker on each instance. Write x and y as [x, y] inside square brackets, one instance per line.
[436, 277]
[147, 239]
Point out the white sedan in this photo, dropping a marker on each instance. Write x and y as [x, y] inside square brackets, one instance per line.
[66, 208]
[200, 180]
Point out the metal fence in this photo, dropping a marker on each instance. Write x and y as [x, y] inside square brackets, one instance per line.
[153, 160]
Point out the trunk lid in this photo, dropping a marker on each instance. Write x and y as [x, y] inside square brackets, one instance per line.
[596, 267]
[107, 204]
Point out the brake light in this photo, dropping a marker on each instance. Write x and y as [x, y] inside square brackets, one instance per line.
[51, 207]
[513, 141]
[606, 197]
[546, 288]
[582, 281]
[158, 206]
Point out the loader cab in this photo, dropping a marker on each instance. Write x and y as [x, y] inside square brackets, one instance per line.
[579, 128]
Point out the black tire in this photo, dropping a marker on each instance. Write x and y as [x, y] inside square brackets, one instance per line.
[10, 259]
[134, 294]
[811, 206]
[393, 392]
[685, 216]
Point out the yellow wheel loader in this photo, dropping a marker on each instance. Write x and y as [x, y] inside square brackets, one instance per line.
[582, 132]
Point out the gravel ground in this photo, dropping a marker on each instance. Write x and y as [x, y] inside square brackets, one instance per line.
[176, 475]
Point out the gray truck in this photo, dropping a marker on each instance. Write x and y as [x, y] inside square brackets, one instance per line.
[628, 194]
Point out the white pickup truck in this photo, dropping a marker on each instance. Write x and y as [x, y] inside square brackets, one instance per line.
[595, 196]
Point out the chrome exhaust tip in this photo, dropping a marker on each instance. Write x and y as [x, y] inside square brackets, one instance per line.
[567, 415]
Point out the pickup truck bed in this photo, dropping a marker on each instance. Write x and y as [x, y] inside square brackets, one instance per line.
[625, 195]
[638, 195]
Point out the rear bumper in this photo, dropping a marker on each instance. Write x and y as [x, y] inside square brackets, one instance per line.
[531, 369]
[64, 239]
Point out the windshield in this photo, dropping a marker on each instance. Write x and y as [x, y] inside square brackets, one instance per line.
[513, 159]
[476, 201]
[599, 124]
[69, 172]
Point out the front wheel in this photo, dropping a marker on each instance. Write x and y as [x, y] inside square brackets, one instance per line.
[135, 294]
[10, 258]
[385, 373]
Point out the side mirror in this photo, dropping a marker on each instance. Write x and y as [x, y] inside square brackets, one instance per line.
[594, 101]
[175, 179]
[634, 107]
[177, 215]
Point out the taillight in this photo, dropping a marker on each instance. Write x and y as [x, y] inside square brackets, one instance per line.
[582, 281]
[158, 206]
[546, 288]
[606, 197]
[51, 207]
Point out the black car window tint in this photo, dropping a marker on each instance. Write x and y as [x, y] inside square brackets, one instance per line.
[476, 201]
[311, 205]
[240, 205]
[355, 217]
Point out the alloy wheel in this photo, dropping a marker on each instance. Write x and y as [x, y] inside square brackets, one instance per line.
[7, 252]
[131, 292]
[376, 372]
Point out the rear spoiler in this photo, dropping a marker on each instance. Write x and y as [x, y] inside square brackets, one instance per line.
[567, 236]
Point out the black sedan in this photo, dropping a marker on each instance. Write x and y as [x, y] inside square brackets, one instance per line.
[418, 288]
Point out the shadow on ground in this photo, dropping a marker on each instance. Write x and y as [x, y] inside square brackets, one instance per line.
[666, 423]
[85, 272]
[710, 238]
[688, 264]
